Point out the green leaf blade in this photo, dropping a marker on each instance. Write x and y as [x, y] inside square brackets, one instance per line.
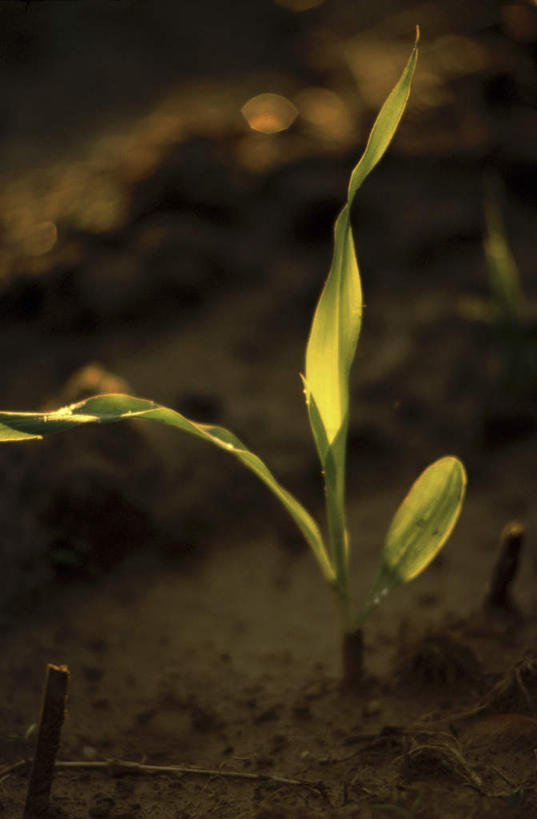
[420, 528]
[337, 320]
[116, 407]
[335, 330]
[504, 277]
[334, 333]
[385, 124]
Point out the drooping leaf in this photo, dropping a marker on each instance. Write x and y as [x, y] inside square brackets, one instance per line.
[420, 527]
[16, 426]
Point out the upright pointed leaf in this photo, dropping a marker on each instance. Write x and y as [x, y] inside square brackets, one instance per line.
[386, 123]
[334, 335]
[420, 527]
[504, 278]
[16, 426]
[335, 330]
[337, 320]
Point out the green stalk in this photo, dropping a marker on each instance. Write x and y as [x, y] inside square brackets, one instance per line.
[339, 547]
[351, 637]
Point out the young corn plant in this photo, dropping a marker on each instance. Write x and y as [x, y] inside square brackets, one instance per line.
[506, 309]
[511, 313]
[430, 510]
[506, 306]
[507, 301]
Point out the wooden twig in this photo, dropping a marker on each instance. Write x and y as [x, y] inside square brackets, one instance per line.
[9, 769]
[124, 766]
[115, 766]
[48, 741]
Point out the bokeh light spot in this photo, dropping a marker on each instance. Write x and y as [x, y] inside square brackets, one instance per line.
[269, 113]
[40, 239]
[326, 112]
[520, 22]
[299, 5]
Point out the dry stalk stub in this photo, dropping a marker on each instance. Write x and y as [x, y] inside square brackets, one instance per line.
[48, 741]
[505, 570]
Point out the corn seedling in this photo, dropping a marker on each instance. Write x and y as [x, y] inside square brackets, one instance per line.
[506, 310]
[505, 306]
[512, 317]
[430, 510]
[507, 302]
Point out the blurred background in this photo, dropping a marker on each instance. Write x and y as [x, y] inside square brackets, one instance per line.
[170, 174]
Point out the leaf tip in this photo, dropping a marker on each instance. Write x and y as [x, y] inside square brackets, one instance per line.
[457, 464]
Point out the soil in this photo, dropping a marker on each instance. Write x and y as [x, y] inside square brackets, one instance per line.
[152, 243]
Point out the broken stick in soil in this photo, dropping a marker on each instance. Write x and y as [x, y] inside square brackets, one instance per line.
[48, 741]
[506, 568]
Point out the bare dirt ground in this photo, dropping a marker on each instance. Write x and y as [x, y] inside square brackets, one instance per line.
[152, 243]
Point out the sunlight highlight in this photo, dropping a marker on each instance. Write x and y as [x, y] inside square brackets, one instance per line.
[269, 113]
[40, 239]
[299, 5]
[326, 112]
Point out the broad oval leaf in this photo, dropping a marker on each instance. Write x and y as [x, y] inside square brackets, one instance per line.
[17, 426]
[420, 527]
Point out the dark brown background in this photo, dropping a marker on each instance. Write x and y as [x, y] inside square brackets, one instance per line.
[190, 251]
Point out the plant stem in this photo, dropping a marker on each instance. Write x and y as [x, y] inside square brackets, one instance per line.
[352, 657]
[339, 544]
[352, 637]
[343, 603]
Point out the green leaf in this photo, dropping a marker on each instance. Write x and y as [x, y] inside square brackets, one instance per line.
[337, 320]
[333, 337]
[386, 123]
[504, 278]
[420, 528]
[16, 426]
[335, 329]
